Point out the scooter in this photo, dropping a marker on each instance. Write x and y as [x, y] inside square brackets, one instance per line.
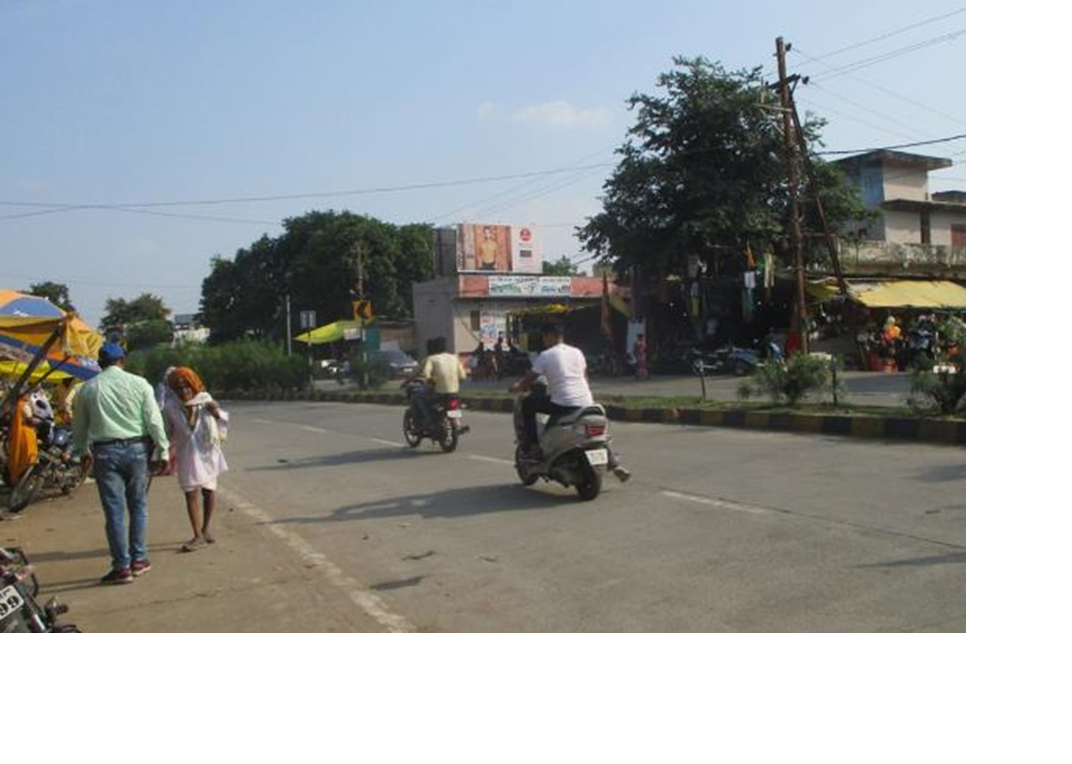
[574, 450]
[446, 425]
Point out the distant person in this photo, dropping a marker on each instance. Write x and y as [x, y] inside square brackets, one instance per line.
[640, 356]
[500, 361]
[444, 373]
[197, 426]
[116, 424]
[481, 356]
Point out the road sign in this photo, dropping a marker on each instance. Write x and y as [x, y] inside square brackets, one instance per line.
[363, 310]
[307, 319]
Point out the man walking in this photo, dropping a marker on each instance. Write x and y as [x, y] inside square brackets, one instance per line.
[116, 424]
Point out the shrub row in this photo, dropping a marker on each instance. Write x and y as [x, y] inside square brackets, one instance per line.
[241, 365]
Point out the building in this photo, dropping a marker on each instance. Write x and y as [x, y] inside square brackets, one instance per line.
[895, 184]
[484, 274]
[188, 329]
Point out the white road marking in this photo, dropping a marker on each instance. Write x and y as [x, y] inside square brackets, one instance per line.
[386, 442]
[371, 604]
[261, 421]
[492, 459]
[313, 429]
[720, 503]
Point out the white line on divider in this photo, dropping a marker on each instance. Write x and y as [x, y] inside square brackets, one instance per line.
[312, 429]
[386, 442]
[720, 503]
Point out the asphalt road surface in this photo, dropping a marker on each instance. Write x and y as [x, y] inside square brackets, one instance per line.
[719, 529]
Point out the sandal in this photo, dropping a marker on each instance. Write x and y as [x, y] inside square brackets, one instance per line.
[209, 538]
[193, 545]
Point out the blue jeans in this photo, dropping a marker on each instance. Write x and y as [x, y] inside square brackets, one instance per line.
[122, 474]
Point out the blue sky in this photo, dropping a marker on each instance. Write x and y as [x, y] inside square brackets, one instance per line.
[110, 102]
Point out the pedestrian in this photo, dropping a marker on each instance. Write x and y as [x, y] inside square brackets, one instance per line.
[481, 355]
[197, 427]
[116, 425]
[499, 360]
[640, 356]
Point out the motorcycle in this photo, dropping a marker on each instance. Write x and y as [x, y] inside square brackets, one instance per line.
[55, 467]
[574, 450]
[19, 609]
[446, 425]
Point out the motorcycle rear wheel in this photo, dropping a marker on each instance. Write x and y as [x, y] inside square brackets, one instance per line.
[591, 483]
[449, 440]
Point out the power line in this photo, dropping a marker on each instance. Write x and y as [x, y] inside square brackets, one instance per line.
[898, 146]
[887, 91]
[895, 32]
[865, 62]
[868, 109]
[312, 195]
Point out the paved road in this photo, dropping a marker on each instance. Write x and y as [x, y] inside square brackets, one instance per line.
[720, 530]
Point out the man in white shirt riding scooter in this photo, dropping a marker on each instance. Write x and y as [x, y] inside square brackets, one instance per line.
[564, 368]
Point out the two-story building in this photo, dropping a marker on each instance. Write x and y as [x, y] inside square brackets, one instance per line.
[895, 185]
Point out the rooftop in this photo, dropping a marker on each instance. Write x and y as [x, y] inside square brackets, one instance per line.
[899, 158]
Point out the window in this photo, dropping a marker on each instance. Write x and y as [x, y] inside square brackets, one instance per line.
[474, 320]
[925, 227]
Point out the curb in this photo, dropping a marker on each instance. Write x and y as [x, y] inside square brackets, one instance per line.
[937, 431]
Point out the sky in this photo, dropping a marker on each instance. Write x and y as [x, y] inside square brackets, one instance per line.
[123, 103]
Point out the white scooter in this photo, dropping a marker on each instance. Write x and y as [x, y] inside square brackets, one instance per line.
[574, 449]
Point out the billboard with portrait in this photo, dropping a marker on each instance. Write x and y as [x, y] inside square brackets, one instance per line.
[498, 249]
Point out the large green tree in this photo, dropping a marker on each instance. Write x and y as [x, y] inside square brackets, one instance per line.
[143, 321]
[322, 261]
[57, 293]
[563, 266]
[702, 173]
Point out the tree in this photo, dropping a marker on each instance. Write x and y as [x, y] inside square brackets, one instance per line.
[563, 266]
[702, 174]
[317, 261]
[119, 312]
[55, 292]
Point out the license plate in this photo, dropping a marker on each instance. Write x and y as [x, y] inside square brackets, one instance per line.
[10, 601]
[597, 456]
[454, 414]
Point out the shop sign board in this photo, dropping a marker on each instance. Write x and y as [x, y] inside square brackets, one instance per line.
[528, 286]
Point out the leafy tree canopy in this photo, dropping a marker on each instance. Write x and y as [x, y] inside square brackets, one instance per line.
[119, 312]
[563, 266]
[55, 292]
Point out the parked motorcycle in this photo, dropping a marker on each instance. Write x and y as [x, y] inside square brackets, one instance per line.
[734, 360]
[446, 425]
[19, 609]
[55, 467]
[574, 450]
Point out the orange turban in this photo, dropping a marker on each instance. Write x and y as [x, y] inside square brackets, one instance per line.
[187, 375]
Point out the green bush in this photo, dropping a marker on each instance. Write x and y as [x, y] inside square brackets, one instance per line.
[241, 365]
[369, 374]
[791, 381]
[944, 387]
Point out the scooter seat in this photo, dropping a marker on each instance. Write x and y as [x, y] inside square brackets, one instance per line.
[573, 416]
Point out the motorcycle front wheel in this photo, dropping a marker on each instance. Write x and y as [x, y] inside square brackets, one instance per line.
[525, 478]
[27, 489]
[409, 430]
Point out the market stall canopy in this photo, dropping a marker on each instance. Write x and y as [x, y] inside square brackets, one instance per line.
[27, 322]
[898, 294]
[333, 332]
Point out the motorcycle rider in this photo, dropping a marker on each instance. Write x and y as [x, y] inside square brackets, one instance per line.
[445, 373]
[564, 368]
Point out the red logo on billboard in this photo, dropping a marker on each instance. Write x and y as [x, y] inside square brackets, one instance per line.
[525, 234]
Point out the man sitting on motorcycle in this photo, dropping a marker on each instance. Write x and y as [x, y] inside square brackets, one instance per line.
[445, 373]
[564, 368]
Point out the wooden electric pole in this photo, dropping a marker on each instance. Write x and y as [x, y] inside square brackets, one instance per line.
[795, 237]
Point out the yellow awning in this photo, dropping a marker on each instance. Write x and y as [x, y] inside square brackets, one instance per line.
[332, 332]
[899, 294]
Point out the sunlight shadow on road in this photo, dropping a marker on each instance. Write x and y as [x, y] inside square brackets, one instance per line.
[345, 460]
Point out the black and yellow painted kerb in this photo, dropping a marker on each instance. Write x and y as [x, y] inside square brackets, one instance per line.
[948, 431]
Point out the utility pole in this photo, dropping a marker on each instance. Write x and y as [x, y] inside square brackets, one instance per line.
[794, 205]
[835, 260]
[289, 349]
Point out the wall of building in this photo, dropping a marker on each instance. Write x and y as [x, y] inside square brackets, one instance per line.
[903, 183]
[941, 226]
[902, 227]
[433, 309]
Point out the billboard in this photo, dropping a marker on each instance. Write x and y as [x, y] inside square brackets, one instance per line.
[498, 249]
[529, 286]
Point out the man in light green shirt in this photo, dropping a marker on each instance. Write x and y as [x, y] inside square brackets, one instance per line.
[116, 425]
